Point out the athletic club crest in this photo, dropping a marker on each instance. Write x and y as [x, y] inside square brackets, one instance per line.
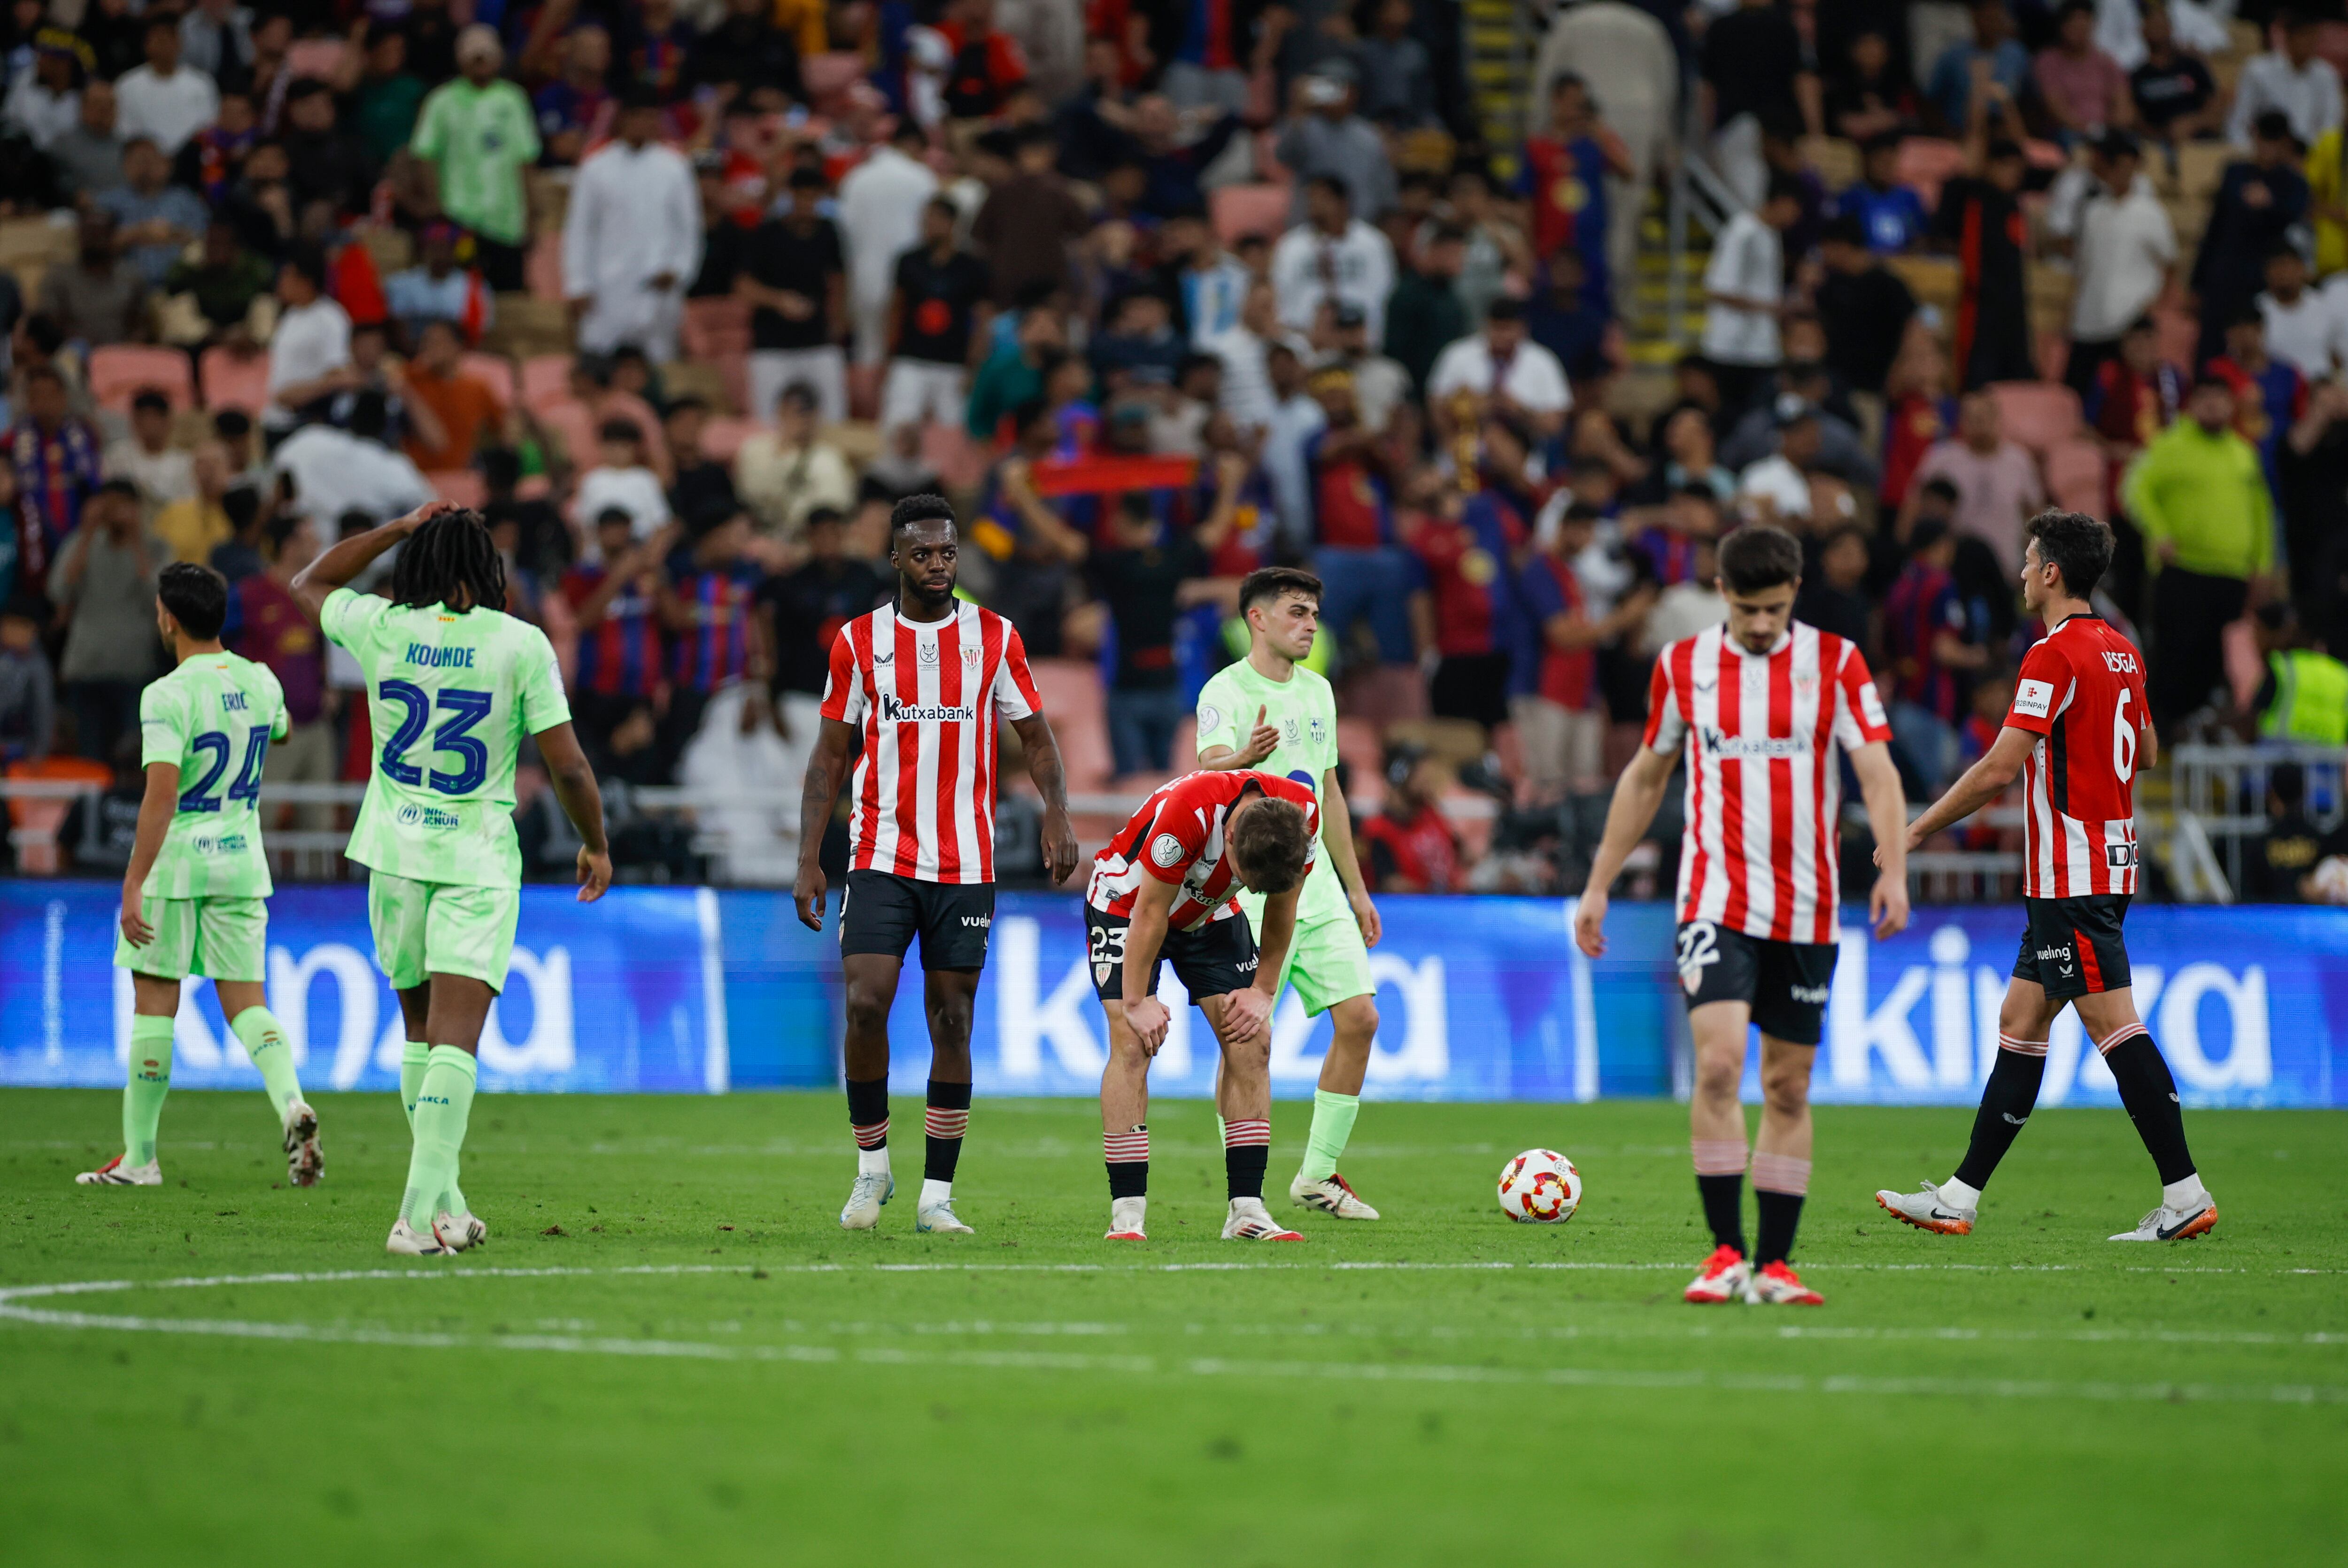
[970, 658]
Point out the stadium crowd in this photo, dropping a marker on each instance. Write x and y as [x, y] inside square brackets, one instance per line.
[685, 294]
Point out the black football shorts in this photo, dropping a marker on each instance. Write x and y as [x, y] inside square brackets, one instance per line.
[1212, 960]
[2072, 947]
[1783, 982]
[880, 911]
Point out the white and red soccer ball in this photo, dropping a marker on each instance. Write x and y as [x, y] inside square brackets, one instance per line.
[1539, 1186]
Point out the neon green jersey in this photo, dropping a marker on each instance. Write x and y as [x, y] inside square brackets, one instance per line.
[449, 697]
[214, 716]
[1306, 710]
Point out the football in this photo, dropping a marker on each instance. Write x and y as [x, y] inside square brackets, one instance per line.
[1539, 1186]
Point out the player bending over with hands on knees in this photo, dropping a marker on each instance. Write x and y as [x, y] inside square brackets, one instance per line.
[453, 683]
[1163, 888]
[1759, 708]
[913, 696]
[193, 899]
[2077, 732]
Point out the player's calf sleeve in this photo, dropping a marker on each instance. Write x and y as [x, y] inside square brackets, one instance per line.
[264, 1042]
[868, 1119]
[2149, 1093]
[1247, 1150]
[2007, 1102]
[1780, 1181]
[1720, 1183]
[144, 1091]
[1333, 1124]
[444, 1103]
[1127, 1155]
[947, 1119]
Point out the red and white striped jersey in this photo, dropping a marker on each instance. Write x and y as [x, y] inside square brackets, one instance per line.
[925, 697]
[1177, 837]
[2080, 692]
[1764, 788]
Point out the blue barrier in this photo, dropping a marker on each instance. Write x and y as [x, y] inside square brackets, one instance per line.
[699, 990]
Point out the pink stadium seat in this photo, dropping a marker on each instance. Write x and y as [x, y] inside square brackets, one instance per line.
[1071, 690]
[494, 371]
[462, 486]
[864, 391]
[545, 381]
[230, 380]
[2181, 335]
[2038, 414]
[1360, 749]
[542, 270]
[1927, 163]
[1243, 210]
[2076, 471]
[721, 439]
[714, 326]
[959, 461]
[119, 372]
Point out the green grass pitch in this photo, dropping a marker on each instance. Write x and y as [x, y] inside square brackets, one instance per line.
[669, 1353]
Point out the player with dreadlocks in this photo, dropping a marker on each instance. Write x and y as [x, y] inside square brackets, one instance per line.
[453, 684]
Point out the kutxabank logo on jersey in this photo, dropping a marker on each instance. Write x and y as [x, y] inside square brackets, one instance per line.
[896, 711]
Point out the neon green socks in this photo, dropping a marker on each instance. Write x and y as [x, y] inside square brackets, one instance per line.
[144, 1091]
[444, 1100]
[413, 1058]
[264, 1042]
[1333, 1124]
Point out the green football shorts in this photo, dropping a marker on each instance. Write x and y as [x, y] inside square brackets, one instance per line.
[422, 929]
[1327, 962]
[221, 938]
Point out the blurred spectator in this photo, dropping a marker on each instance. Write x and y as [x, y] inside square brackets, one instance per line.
[94, 299]
[2257, 204]
[260, 201]
[46, 99]
[1554, 697]
[213, 157]
[2125, 258]
[1981, 217]
[28, 692]
[544, 542]
[1397, 76]
[632, 238]
[1365, 574]
[2199, 496]
[1776, 488]
[1463, 605]
[801, 612]
[2293, 81]
[699, 486]
[2279, 865]
[216, 38]
[1991, 56]
[1295, 417]
[1834, 589]
[748, 56]
[1744, 286]
[323, 162]
[2175, 98]
[1498, 369]
[165, 99]
[574, 110]
[1927, 643]
[622, 480]
[1322, 137]
[194, 526]
[705, 607]
[884, 205]
[2303, 695]
[1684, 608]
[794, 274]
[1890, 215]
[1137, 347]
[103, 583]
[783, 474]
[2268, 394]
[1208, 285]
[2137, 395]
[2083, 89]
[1013, 376]
[1863, 306]
[310, 352]
[221, 287]
[1684, 441]
[337, 471]
[1757, 80]
[614, 599]
[1412, 848]
[1022, 230]
[466, 411]
[1426, 314]
[1871, 96]
[386, 97]
[2302, 328]
[986, 65]
[55, 459]
[239, 556]
[1331, 257]
[1148, 574]
[154, 222]
[1244, 351]
[1562, 178]
[277, 629]
[476, 134]
[1996, 479]
[1380, 385]
[162, 473]
[1034, 547]
[89, 156]
[1497, 246]
[437, 289]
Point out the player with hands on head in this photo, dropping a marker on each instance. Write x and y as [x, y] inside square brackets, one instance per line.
[1760, 707]
[453, 683]
[911, 700]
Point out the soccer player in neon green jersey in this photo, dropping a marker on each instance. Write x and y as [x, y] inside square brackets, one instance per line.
[1269, 712]
[453, 684]
[193, 900]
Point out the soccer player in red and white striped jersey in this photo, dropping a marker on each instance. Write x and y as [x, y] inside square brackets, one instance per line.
[2078, 733]
[1164, 888]
[914, 691]
[1760, 706]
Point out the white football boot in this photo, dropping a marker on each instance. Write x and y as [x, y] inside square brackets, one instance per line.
[458, 1233]
[939, 1219]
[305, 1162]
[115, 1173]
[1726, 1277]
[862, 1210]
[1778, 1285]
[1928, 1211]
[2198, 1218]
[1332, 1195]
[1250, 1221]
[406, 1242]
[1125, 1219]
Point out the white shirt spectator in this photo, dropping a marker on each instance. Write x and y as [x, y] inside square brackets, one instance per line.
[881, 206]
[2309, 95]
[1247, 386]
[169, 109]
[1777, 481]
[1532, 377]
[1682, 610]
[2125, 249]
[310, 340]
[1213, 296]
[1309, 267]
[215, 35]
[634, 215]
[2308, 333]
[334, 471]
[636, 491]
[44, 115]
[2200, 28]
[162, 477]
[1749, 261]
[1291, 424]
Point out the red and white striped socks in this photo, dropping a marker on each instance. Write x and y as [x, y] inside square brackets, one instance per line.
[1247, 1150]
[943, 1123]
[868, 1119]
[1127, 1155]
